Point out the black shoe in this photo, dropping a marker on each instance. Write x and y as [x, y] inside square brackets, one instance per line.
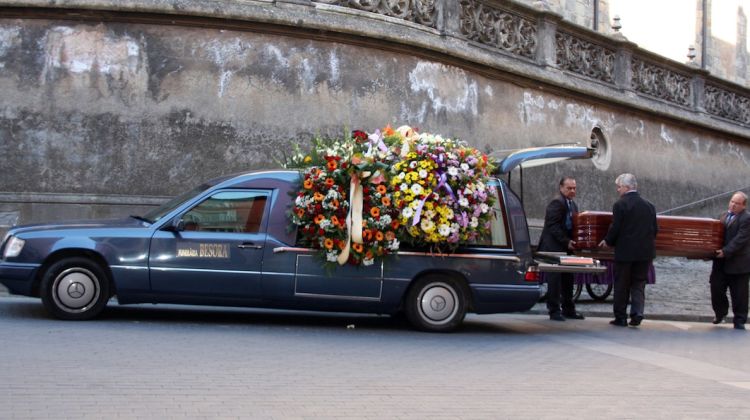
[556, 317]
[636, 320]
[574, 315]
[718, 320]
[619, 322]
[739, 326]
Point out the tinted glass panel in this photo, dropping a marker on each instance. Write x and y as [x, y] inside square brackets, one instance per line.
[499, 237]
[228, 211]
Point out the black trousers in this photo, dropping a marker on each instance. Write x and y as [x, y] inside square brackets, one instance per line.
[738, 290]
[560, 293]
[630, 285]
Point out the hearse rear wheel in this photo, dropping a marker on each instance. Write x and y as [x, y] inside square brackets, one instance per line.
[436, 303]
[75, 289]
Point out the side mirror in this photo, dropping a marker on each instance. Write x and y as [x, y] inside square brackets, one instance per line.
[177, 225]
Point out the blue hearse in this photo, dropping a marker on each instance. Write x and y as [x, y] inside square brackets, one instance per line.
[228, 243]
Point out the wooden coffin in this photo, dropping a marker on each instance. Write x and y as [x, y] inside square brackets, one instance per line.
[691, 237]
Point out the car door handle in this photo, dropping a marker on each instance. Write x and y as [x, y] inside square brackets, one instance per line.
[249, 245]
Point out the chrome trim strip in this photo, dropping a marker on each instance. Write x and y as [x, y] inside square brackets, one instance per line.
[280, 249]
[204, 270]
[129, 267]
[506, 286]
[474, 256]
[338, 297]
[19, 265]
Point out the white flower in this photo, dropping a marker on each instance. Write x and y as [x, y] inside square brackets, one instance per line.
[413, 164]
[401, 175]
[423, 173]
[485, 208]
[394, 244]
[455, 227]
[299, 201]
[449, 214]
[474, 222]
[407, 212]
[325, 224]
[385, 220]
[331, 256]
[428, 214]
[403, 187]
[480, 186]
[465, 166]
[453, 171]
[463, 202]
[416, 189]
[427, 225]
[368, 261]
[444, 230]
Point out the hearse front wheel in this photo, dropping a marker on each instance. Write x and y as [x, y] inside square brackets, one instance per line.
[75, 289]
[436, 303]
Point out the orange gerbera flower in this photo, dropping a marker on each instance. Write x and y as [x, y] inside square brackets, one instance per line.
[368, 255]
[385, 201]
[331, 165]
[300, 213]
[319, 218]
[340, 244]
[378, 236]
[329, 182]
[375, 212]
[328, 243]
[357, 247]
[388, 130]
[318, 196]
[308, 184]
[367, 235]
[335, 220]
[394, 224]
[334, 203]
[390, 235]
[381, 189]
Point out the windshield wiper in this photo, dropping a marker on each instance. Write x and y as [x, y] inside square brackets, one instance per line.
[141, 218]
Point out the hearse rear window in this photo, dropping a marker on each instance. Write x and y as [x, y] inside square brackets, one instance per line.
[499, 230]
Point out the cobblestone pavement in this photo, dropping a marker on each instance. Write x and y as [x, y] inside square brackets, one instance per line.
[162, 362]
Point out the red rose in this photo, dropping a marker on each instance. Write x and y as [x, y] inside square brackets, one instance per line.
[359, 135]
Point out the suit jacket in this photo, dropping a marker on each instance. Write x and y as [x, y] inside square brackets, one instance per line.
[633, 229]
[555, 236]
[737, 244]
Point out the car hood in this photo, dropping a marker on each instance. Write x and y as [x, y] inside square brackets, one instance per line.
[129, 222]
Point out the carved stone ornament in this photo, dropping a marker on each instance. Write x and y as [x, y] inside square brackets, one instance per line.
[585, 58]
[725, 104]
[423, 12]
[659, 82]
[498, 28]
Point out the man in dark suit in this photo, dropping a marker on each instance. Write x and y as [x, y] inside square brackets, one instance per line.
[731, 267]
[633, 234]
[557, 236]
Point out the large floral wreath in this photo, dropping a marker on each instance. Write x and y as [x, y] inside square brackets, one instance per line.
[361, 196]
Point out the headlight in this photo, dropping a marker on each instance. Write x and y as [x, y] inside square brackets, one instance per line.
[13, 247]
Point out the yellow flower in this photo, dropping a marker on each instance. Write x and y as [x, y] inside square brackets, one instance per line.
[307, 159]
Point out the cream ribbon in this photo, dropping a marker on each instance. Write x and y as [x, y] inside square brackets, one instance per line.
[353, 219]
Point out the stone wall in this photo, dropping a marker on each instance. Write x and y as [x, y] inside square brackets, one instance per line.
[109, 107]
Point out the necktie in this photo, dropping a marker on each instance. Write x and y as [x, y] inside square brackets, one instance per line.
[730, 216]
[569, 216]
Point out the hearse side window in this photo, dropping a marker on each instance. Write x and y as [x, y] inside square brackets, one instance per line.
[228, 211]
[499, 227]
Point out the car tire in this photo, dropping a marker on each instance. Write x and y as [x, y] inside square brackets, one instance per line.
[436, 303]
[75, 289]
[599, 292]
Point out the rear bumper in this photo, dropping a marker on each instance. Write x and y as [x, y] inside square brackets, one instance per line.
[495, 298]
[18, 278]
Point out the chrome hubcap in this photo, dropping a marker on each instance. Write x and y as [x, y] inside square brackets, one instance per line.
[438, 303]
[75, 290]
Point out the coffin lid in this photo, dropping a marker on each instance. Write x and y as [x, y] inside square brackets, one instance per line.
[538, 156]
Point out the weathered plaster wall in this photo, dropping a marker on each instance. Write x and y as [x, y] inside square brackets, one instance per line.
[145, 110]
